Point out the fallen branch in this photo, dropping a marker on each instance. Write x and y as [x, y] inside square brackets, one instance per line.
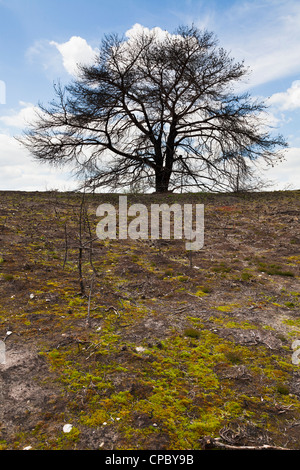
[8, 333]
[211, 443]
[114, 310]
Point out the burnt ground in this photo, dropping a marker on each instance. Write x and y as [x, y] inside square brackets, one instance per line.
[154, 349]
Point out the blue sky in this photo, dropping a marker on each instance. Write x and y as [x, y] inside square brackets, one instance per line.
[41, 41]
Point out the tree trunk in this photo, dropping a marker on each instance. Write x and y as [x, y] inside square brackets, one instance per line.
[162, 179]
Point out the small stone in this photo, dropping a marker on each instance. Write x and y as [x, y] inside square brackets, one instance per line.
[67, 428]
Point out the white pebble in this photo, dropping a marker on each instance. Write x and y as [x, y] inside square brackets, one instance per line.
[67, 427]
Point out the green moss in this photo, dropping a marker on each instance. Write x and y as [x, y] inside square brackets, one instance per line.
[168, 272]
[77, 301]
[185, 383]
[234, 357]
[3, 445]
[207, 289]
[246, 276]
[224, 308]
[183, 278]
[282, 389]
[274, 269]
[201, 293]
[7, 277]
[96, 418]
[292, 322]
[192, 333]
[179, 277]
[227, 308]
[72, 436]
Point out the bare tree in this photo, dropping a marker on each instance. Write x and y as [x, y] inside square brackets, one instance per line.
[158, 110]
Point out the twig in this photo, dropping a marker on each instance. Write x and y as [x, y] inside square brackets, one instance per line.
[7, 335]
[88, 320]
[66, 245]
[211, 443]
[190, 257]
[89, 242]
[80, 248]
[114, 309]
[91, 239]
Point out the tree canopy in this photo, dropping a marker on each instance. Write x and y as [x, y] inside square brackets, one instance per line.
[157, 110]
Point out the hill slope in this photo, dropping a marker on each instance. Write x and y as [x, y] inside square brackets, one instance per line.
[153, 349]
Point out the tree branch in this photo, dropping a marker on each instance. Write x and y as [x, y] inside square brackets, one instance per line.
[209, 443]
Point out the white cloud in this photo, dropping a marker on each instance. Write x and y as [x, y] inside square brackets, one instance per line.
[18, 169]
[288, 100]
[272, 54]
[285, 175]
[264, 33]
[75, 51]
[137, 29]
[19, 172]
[159, 34]
[21, 118]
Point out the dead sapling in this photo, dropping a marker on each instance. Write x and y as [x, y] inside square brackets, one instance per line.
[66, 245]
[83, 244]
[88, 319]
[190, 257]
